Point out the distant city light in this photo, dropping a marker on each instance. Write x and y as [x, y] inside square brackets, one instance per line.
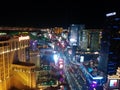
[3, 33]
[95, 82]
[61, 63]
[72, 40]
[55, 57]
[61, 66]
[96, 52]
[82, 59]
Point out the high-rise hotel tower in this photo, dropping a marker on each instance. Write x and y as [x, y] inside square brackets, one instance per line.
[110, 45]
[15, 72]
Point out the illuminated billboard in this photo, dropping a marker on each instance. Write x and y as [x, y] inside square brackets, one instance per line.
[114, 83]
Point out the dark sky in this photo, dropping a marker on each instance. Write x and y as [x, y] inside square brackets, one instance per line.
[55, 12]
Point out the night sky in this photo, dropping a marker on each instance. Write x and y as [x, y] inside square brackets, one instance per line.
[38, 13]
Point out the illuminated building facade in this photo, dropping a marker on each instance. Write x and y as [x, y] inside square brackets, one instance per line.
[13, 50]
[23, 75]
[89, 39]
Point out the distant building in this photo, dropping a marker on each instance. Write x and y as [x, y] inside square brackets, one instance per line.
[84, 38]
[35, 58]
[89, 39]
[74, 34]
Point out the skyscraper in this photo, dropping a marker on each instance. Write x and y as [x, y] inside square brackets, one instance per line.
[74, 34]
[110, 44]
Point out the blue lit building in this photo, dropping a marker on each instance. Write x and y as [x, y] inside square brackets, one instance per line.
[75, 34]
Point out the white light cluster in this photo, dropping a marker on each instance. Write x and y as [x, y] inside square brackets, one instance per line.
[110, 14]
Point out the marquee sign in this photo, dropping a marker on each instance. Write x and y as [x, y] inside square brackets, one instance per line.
[24, 38]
